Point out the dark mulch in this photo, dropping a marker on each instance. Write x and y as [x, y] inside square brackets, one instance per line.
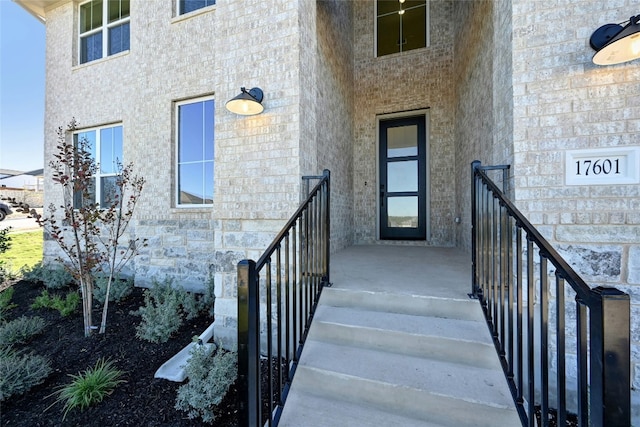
[572, 419]
[141, 401]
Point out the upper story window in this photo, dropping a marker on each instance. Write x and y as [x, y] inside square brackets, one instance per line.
[105, 146]
[195, 145]
[104, 28]
[401, 25]
[186, 6]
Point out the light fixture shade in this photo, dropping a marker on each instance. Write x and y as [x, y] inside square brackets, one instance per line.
[247, 103]
[615, 44]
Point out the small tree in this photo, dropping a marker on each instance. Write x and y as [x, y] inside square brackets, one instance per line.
[88, 233]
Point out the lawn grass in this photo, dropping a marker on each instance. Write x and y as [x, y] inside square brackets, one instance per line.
[26, 249]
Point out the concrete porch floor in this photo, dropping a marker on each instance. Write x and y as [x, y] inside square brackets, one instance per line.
[413, 270]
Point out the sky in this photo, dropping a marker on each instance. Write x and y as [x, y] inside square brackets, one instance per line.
[22, 66]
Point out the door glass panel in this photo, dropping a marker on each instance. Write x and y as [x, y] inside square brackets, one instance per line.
[402, 176]
[402, 141]
[402, 212]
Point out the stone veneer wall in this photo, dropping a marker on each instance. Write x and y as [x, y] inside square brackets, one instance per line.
[413, 80]
[535, 95]
[212, 51]
[562, 101]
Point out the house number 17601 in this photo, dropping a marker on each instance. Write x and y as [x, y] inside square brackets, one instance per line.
[598, 167]
[602, 166]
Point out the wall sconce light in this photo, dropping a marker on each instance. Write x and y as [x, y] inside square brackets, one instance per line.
[615, 44]
[248, 103]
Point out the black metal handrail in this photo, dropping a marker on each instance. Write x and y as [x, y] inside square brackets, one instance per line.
[597, 325]
[275, 322]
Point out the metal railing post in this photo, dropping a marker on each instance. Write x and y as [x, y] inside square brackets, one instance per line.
[327, 228]
[474, 228]
[248, 344]
[610, 355]
[305, 273]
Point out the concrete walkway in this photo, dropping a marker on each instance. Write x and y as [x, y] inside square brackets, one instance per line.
[396, 341]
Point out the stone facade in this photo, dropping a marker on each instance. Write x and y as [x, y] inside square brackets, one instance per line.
[502, 81]
[527, 92]
[562, 101]
[258, 163]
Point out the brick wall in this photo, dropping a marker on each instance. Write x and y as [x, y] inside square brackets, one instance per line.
[527, 92]
[334, 111]
[562, 101]
[213, 51]
[413, 80]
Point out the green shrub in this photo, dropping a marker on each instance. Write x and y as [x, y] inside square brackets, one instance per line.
[166, 306]
[192, 305]
[64, 306]
[20, 330]
[210, 374]
[5, 302]
[120, 289]
[53, 276]
[19, 372]
[89, 387]
[160, 313]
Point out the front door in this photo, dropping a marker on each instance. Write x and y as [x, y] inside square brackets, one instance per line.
[403, 179]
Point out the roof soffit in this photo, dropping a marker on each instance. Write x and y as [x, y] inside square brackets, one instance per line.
[39, 8]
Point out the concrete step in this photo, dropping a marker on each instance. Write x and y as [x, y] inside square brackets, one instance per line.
[318, 411]
[371, 355]
[395, 400]
[418, 305]
[444, 378]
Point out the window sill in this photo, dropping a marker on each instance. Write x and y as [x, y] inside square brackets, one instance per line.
[192, 14]
[192, 209]
[405, 53]
[101, 60]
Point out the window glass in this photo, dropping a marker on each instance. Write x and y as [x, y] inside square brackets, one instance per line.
[104, 29]
[187, 6]
[105, 145]
[400, 26]
[110, 149]
[195, 152]
[119, 38]
[90, 16]
[91, 48]
[118, 9]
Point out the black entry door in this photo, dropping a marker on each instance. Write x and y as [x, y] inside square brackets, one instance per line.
[403, 179]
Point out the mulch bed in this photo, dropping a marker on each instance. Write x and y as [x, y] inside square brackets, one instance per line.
[140, 401]
[572, 419]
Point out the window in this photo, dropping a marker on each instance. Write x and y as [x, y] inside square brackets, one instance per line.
[105, 146]
[401, 25]
[104, 28]
[186, 6]
[195, 152]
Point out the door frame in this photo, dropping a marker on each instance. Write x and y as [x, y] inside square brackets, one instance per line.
[401, 115]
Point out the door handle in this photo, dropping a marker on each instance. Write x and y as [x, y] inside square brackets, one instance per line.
[382, 195]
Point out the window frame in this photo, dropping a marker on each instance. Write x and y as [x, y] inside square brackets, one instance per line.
[103, 29]
[181, 13]
[98, 175]
[178, 163]
[427, 29]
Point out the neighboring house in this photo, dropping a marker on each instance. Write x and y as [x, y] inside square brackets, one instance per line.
[396, 105]
[17, 180]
